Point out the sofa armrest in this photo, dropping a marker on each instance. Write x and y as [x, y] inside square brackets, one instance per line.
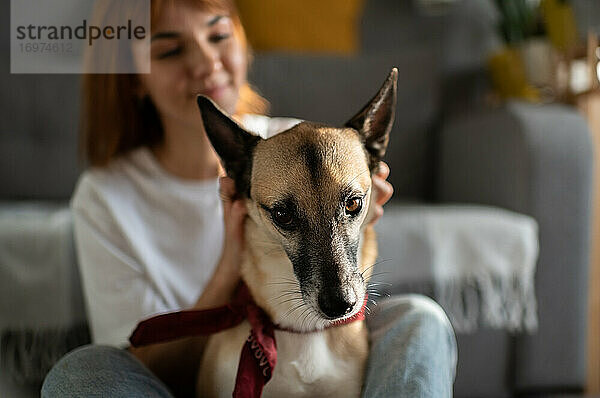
[535, 160]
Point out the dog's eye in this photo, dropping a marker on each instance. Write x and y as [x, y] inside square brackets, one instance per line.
[282, 217]
[353, 206]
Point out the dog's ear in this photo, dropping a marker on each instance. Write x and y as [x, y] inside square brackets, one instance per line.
[233, 144]
[375, 120]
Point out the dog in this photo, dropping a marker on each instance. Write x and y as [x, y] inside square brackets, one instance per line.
[309, 247]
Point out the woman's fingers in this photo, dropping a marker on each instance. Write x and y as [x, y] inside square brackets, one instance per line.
[234, 213]
[383, 189]
[237, 217]
[226, 189]
[383, 170]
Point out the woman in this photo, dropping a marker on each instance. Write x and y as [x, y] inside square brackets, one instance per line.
[152, 234]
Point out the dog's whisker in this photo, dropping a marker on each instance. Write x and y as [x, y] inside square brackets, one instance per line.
[373, 265]
[270, 251]
[305, 314]
[308, 317]
[379, 273]
[293, 302]
[280, 283]
[283, 278]
[291, 291]
[378, 294]
[287, 290]
[368, 268]
[303, 305]
[314, 319]
[379, 284]
[283, 281]
[265, 242]
[290, 299]
[319, 320]
[293, 309]
[282, 295]
[368, 308]
[383, 260]
[284, 317]
[373, 302]
[363, 272]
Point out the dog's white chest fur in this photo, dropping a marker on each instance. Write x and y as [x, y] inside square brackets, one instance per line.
[306, 366]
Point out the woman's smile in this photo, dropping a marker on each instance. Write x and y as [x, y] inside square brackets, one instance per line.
[190, 59]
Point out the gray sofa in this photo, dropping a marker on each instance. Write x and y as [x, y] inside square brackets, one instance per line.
[447, 147]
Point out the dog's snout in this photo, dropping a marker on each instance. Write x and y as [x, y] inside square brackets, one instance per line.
[338, 304]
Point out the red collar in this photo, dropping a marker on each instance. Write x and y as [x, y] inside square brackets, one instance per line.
[259, 354]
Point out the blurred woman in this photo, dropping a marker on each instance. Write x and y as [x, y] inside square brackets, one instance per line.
[156, 225]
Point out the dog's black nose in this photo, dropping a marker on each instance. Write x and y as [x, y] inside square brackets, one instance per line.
[335, 306]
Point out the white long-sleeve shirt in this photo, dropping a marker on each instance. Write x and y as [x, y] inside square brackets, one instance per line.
[147, 242]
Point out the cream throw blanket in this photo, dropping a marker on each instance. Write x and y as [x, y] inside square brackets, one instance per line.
[477, 262]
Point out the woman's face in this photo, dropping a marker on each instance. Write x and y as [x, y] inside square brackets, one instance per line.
[193, 52]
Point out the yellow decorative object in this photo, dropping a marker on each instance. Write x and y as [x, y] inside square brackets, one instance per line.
[560, 23]
[508, 76]
[331, 26]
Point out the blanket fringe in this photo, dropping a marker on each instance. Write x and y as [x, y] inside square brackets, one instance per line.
[481, 301]
[487, 301]
[27, 355]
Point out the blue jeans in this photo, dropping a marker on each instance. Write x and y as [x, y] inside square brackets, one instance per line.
[413, 354]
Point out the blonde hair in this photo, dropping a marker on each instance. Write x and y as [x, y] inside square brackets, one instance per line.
[114, 120]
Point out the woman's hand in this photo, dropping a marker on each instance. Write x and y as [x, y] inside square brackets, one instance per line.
[382, 190]
[226, 276]
[234, 214]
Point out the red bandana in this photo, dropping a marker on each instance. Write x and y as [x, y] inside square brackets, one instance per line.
[259, 353]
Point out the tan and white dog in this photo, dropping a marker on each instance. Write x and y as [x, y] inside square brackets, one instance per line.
[309, 248]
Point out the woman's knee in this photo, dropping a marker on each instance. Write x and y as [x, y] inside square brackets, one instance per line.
[67, 374]
[96, 370]
[413, 349]
[412, 313]
[90, 358]
[423, 309]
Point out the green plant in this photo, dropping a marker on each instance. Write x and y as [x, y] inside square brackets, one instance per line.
[521, 19]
